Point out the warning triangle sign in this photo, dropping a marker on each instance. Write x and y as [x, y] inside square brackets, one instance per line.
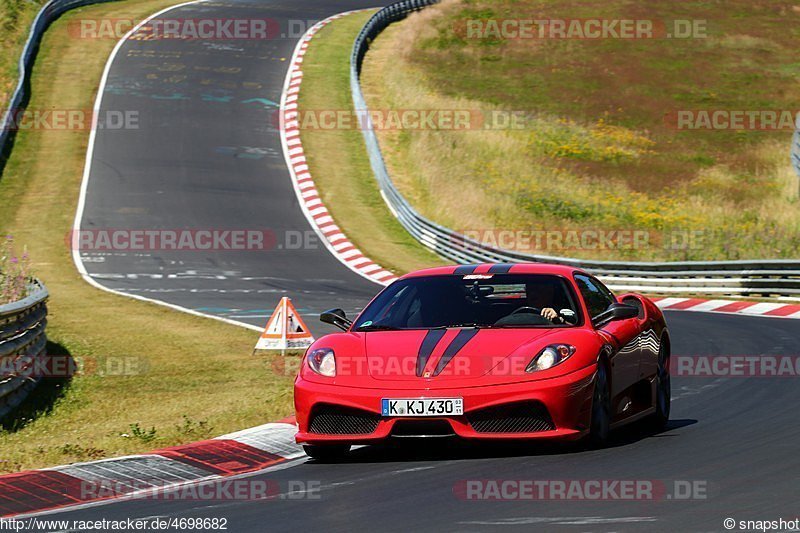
[285, 329]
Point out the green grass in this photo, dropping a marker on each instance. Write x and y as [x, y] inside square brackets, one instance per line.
[596, 151]
[15, 20]
[190, 378]
[338, 159]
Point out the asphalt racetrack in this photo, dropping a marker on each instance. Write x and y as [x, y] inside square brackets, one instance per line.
[206, 155]
[736, 437]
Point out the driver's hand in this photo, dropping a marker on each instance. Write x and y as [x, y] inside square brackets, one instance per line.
[549, 313]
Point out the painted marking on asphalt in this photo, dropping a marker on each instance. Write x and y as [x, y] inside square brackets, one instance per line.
[561, 520]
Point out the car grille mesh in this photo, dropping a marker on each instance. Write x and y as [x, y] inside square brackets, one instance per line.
[523, 417]
[337, 420]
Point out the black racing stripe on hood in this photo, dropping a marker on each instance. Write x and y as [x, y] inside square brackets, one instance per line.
[464, 270]
[430, 341]
[501, 268]
[461, 340]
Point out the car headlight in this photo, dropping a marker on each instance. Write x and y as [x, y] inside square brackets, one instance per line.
[549, 357]
[323, 362]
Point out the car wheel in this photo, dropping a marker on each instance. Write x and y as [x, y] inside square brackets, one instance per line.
[601, 409]
[327, 452]
[663, 389]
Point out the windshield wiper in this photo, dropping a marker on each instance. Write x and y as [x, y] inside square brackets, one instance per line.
[466, 325]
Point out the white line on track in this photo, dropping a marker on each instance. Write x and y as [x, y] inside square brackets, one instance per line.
[87, 169]
[561, 520]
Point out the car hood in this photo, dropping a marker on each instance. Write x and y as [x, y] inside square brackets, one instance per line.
[447, 354]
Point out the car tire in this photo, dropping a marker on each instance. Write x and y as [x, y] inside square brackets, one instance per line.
[326, 453]
[601, 409]
[663, 389]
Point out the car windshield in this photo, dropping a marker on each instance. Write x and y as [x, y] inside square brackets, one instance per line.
[478, 300]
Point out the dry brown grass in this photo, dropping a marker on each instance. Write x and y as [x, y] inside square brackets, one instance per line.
[596, 152]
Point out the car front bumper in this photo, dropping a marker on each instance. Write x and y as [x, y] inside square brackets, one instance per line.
[567, 400]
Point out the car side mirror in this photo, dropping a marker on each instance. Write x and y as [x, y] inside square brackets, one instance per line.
[336, 317]
[623, 311]
[616, 311]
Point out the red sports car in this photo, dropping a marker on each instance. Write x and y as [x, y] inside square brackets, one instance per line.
[492, 351]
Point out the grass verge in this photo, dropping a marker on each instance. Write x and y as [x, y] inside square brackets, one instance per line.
[16, 17]
[338, 160]
[594, 150]
[152, 377]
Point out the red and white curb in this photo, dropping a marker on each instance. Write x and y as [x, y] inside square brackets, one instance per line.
[765, 309]
[149, 474]
[308, 196]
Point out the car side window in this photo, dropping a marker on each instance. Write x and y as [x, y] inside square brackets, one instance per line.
[605, 290]
[597, 299]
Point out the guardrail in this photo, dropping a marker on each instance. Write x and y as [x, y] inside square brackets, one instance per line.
[755, 278]
[22, 340]
[23, 323]
[19, 99]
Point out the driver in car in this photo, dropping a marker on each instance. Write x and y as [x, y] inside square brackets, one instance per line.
[541, 296]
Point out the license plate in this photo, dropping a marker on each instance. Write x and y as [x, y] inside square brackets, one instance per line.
[422, 406]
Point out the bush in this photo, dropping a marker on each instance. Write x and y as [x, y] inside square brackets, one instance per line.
[15, 274]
